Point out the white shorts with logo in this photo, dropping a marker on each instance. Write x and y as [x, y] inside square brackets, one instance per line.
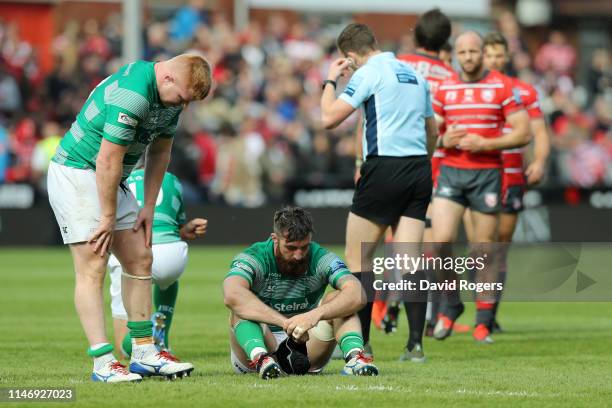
[73, 195]
[169, 261]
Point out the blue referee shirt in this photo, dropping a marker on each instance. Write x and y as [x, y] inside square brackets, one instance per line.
[395, 101]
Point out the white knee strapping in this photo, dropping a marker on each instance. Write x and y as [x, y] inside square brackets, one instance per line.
[127, 275]
[323, 331]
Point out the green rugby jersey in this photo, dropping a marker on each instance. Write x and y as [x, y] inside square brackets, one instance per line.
[169, 211]
[286, 294]
[125, 109]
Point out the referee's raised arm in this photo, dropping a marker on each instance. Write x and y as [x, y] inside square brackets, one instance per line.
[334, 111]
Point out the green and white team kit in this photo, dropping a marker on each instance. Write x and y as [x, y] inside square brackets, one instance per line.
[169, 210]
[125, 109]
[288, 295]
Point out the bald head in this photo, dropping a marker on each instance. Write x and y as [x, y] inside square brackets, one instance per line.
[468, 49]
[469, 38]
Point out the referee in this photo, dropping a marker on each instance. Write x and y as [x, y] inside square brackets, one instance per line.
[398, 138]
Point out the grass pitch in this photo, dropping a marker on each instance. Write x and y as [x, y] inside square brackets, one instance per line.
[552, 354]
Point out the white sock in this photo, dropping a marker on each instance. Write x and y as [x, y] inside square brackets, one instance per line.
[102, 360]
[257, 351]
[97, 346]
[140, 351]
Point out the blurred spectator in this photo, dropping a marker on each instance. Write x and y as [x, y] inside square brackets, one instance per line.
[22, 142]
[4, 153]
[43, 153]
[556, 55]
[206, 148]
[600, 73]
[157, 41]
[238, 174]
[10, 95]
[187, 19]
[94, 44]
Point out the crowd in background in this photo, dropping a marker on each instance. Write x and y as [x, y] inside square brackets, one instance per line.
[257, 137]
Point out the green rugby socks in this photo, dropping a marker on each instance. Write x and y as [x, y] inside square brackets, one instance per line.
[350, 342]
[250, 337]
[164, 301]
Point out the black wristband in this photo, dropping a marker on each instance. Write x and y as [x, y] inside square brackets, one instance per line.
[328, 81]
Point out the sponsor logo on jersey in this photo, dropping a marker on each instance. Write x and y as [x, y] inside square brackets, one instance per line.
[468, 96]
[126, 119]
[291, 307]
[451, 96]
[490, 199]
[487, 95]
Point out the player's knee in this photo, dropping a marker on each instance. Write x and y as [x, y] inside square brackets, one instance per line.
[142, 264]
[93, 271]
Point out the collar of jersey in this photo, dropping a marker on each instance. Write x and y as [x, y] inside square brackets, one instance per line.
[485, 74]
[385, 54]
[422, 54]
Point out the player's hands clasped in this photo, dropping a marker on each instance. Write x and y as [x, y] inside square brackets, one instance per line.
[339, 68]
[453, 136]
[194, 228]
[103, 236]
[472, 143]
[145, 220]
[298, 326]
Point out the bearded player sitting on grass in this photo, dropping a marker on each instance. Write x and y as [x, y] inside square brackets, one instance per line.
[280, 319]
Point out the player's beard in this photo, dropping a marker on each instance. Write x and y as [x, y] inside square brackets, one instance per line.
[291, 268]
[476, 66]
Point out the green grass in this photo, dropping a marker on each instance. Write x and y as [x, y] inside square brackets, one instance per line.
[553, 354]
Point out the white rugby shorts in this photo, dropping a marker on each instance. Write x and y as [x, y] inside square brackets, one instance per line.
[73, 195]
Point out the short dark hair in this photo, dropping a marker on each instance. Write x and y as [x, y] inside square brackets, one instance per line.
[447, 47]
[293, 223]
[357, 38]
[432, 30]
[495, 38]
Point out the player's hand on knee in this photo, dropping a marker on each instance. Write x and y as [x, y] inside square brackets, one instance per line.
[145, 221]
[102, 238]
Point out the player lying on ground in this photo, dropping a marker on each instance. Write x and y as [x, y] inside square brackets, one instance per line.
[280, 320]
[170, 231]
[514, 179]
[130, 112]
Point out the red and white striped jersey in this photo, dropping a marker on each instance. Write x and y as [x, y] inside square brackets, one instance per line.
[431, 68]
[435, 72]
[481, 107]
[512, 159]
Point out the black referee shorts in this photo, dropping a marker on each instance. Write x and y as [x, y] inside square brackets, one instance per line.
[392, 187]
